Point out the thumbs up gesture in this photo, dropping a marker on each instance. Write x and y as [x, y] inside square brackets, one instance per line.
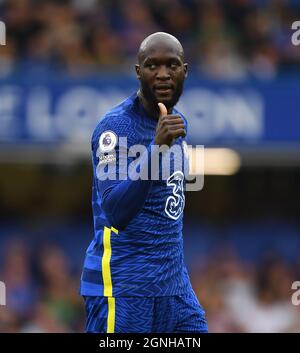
[169, 127]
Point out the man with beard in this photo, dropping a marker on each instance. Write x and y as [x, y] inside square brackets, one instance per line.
[134, 278]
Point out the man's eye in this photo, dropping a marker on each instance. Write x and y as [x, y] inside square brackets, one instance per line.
[151, 66]
[174, 66]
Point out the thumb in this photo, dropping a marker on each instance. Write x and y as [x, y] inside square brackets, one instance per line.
[162, 110]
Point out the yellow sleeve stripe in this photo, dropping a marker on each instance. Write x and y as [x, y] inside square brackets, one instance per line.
[106, 274]
[114, 230]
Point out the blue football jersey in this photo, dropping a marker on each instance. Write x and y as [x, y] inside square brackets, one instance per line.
[145, 257]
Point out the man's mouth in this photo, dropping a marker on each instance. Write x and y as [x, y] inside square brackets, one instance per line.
[163, 89]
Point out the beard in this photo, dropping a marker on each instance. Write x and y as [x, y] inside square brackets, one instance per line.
[149, 95]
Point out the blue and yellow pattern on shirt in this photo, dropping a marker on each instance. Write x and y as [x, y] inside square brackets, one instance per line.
[146, 258]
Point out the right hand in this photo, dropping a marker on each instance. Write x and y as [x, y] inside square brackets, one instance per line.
[169, 127]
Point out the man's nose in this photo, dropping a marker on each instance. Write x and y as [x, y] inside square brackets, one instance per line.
[163, 73]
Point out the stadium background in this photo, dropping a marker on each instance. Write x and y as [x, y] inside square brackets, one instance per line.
[67, 62]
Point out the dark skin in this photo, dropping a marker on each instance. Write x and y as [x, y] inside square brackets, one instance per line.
[161, 71]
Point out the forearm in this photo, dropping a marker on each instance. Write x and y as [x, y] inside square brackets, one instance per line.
[123, 201]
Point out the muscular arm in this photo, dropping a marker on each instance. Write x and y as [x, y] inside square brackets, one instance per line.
[123, 199]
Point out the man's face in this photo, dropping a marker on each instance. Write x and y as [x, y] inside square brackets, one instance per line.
[162, 73]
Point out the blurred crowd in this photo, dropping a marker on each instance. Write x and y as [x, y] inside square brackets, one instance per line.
[247, 297]
[224, 39]
[42, 291]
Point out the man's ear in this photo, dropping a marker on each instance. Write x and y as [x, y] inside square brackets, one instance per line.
[185, 70]
[138, 71]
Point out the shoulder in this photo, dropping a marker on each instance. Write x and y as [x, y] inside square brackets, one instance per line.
[117, 122]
